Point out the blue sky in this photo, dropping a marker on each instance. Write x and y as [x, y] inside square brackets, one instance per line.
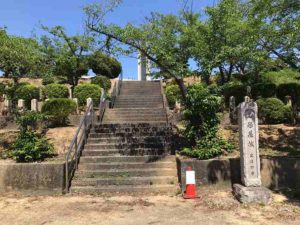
[22, 17]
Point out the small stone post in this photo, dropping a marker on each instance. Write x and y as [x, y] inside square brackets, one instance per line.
[70, 93]
[7, 107]
[88, 101]
[21, 105]
[251, 190]
[288, 100]
[232, 110]
[34, 105]
[76, 102]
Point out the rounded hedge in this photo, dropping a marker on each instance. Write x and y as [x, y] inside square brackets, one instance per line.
[27, 92]
[273, 111]
[239, 91]
[105, 65]
[102, 81]
[57, 110]
[172, 94]
[56, 91]
[84, 91]
[263, 90]
[289, 89]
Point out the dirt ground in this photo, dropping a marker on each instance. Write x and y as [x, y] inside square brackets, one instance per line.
[211, 208]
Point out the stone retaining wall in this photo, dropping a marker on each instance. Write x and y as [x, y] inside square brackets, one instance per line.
[32, 178]
[276, 172]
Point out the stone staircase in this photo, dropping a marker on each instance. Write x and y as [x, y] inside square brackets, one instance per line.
[128, 152]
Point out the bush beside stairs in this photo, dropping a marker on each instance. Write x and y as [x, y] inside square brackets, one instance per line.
[128, 151]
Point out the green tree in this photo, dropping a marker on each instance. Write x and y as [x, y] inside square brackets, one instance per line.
[163, 39]
[68, 53]
[277, 24]
[20, 56]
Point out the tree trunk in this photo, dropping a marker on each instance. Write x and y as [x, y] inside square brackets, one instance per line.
[222, 75]
[182, 88]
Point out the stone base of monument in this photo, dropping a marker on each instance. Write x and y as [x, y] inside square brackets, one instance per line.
[252, 194]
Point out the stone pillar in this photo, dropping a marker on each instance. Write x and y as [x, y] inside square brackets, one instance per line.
[34, 105]
[7, 108]
[40, 106]
[251, 190]
[248, 131]
[142, 62]
[288, 100]
[88, 101]
[232, 110]
[248, 88]
[76, 102]
[41, 94]
[70, 93]
[21, 105]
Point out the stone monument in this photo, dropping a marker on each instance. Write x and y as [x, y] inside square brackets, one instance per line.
[251, 189]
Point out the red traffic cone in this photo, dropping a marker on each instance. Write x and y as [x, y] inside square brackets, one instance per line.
[190, 191]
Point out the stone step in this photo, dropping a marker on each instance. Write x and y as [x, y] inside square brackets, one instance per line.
[102, 146]
[117, 106]
[134, 131]
[140, 110]
[118, 152]
[123, 158]
[127, 189]
[130, 112]
[115, 120]
[96, 182]
[124, 139]
[149, 117]
[113, 173]
[130, 125]
[102, 134]
[139, 98]
[107, 152]
[126, 165]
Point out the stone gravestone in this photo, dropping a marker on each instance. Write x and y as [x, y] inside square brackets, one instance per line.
[251, 189]
[76, 102]
[21, 105]
[6, 108]
[34, 105]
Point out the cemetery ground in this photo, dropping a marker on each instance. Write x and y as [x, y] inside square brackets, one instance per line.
[218, 207]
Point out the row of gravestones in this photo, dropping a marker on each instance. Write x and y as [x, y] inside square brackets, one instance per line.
[36, 106]
[233, 112]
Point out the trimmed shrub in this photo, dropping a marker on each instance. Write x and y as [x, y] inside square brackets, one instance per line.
[263, 90]
[48, 80]
[214, 89]
[273, 111]
[57, 110]
[27, 92]
[30, 147]
[29, 120]
[105, 65]
[281, 77]
[102, 81]
[239, 91]
[84, 91]
[56, 91]
[172, 94]
[291, 89]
